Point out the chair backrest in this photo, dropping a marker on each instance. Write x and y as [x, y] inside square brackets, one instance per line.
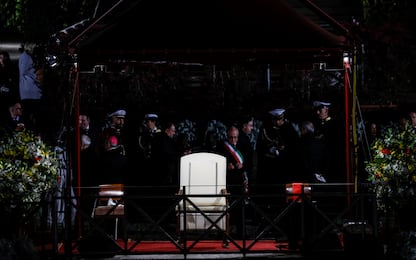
[115, 191]
[203, 173]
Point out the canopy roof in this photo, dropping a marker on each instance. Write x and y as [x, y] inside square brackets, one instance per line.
[209, 31]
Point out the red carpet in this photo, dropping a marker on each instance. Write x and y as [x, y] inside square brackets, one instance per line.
[203, 246]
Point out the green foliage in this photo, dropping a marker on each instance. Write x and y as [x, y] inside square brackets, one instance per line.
[392, 171]
[11, 16]
[36, 20]
[28, 168]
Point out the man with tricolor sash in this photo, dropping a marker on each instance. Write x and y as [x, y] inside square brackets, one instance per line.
[237, 179]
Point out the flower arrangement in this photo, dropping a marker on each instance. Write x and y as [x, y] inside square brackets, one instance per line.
[28, 168]
[392, 170]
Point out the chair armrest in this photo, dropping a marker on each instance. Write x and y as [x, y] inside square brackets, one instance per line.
[225, 192]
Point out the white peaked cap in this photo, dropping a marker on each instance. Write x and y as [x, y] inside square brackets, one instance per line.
[277, 112]
[118, 113]
[320, 103]
[151, 116]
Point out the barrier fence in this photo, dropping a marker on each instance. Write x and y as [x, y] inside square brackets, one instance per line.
[302, 220]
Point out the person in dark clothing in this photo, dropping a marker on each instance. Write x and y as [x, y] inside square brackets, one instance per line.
[330, 132]
[15, 120]
[373, 132]
[112, 155]
[88, 181]
[277, 146]
[147, 134]
[9, 81]
[237, 181]
[236, 171]
[88, 146]
[314, 154]
[165, 161]
[165, 155]
[246, 147]
[331, 195]
[277, 149]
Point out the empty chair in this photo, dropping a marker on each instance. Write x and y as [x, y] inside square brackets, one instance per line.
[110, 203]
[203, 174]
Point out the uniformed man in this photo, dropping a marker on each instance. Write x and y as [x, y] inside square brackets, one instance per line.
[148, 133]
[330, 132]
[277, 146]
[147, 136]
[112, 155]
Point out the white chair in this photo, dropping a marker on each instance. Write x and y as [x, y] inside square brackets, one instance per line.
[203, 174]
[110, 203]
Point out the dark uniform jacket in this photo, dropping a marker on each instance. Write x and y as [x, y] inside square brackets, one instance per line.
[277, 148]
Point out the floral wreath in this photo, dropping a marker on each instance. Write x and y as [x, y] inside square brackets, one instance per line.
[28, 168]
[392, 171]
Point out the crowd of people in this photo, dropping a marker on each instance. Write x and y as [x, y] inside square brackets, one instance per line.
[260, 154]
[262, 161]
[281, 151]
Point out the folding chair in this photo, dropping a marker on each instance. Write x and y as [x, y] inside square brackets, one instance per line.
[110, 203]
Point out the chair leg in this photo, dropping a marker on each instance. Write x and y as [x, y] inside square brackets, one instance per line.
[180, 238]
[225, 242]
[116, 230]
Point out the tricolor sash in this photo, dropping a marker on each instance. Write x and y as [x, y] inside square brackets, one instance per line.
[234, 152]
[239, 158]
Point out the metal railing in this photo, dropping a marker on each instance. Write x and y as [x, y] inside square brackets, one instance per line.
[306, 221]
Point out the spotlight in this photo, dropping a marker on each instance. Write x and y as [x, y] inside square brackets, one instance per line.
[346, 59]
